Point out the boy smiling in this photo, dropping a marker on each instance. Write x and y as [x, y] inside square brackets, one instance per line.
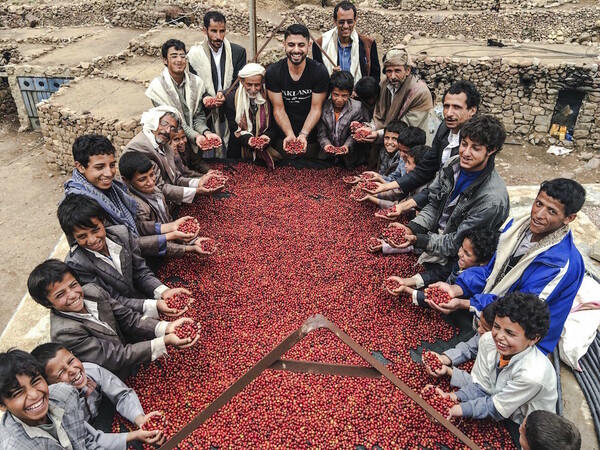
[38, 416]
[96, 327]
[511, 376]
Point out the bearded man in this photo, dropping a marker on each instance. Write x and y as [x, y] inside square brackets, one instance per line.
[250, 114]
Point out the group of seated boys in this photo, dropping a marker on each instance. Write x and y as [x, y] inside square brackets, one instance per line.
[517, 278]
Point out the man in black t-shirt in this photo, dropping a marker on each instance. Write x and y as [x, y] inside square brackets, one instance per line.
[297, 87]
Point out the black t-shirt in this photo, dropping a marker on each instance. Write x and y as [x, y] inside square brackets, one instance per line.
[297, 95]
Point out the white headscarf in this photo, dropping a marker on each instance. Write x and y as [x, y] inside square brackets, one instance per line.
[242, 99]
[151, 118]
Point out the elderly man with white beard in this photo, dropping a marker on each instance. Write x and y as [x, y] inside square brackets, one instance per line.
[159, 125]
[250, 117]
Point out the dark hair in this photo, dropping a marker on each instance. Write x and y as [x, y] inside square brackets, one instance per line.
[485, 130]
[528, 311]
[548, 431]
[174, 116]
[484, 242]
[467, 88]
[179, 45]
[417, 152]
[131, 163]
[367, 88]
[569, 192]
[489, 313]
[342, 80]
[43, 276]
[78, 211]
[395, 126]
[12, 363]
[296, 29]
[215, 16]
[91, 145]
[412, 136]
[45, 352]
[346, 6]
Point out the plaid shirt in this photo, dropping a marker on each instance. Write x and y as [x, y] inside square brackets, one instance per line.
[64, 408]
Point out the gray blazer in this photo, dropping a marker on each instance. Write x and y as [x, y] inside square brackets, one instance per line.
[168, 178]
[137, 282]
[124, 346]
[62, 396]
[146, 215]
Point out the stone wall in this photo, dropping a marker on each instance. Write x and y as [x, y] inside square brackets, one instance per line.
[61, 126]
[7, 103]
[24, 70]
[523, 94]
[560, 26]
[520, 26]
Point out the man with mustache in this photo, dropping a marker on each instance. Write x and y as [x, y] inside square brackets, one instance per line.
[354, 53]
[159, 125]
[217, 62]
[403, 97]
[461, 102]
[250, 115]
[297, 87]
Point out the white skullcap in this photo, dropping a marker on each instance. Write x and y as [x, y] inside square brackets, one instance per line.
[252, 69]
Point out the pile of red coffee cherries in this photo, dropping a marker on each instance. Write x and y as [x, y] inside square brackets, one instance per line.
[357, 193]
[337, 150]
[178, 301]
[294, 147]
[394, 235]
[361, 133]
[215, 182]
[189, 226]
[210, 143]
[355, 126]
[155, 423]
[257, 142]
[208, 246]
[437, 295]
[368, 186]
[441, 404]
[391, 284]
[385, 213]
[294, 245]
[431, 360]
[187, 330]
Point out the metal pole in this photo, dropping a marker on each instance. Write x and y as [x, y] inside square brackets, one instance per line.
[252, 11]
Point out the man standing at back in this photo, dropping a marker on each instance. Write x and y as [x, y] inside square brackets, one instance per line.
[354, 53]
[217, 62]
[297, 87]
[178, 88]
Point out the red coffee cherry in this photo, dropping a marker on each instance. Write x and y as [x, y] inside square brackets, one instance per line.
[437, 295]
[257, 142]
[189, 226]
[394, 236]
[209, 246]
[187, 330]
[154, 423]
[431, 360]
[294, 147]
[178, 301]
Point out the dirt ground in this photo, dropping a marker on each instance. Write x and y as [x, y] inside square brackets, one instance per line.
[30, 191]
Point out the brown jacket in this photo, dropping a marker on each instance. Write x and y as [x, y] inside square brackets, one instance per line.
[146, 218]
[168, 178]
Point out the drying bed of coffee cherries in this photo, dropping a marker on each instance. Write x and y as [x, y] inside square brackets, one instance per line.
[291, 245]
